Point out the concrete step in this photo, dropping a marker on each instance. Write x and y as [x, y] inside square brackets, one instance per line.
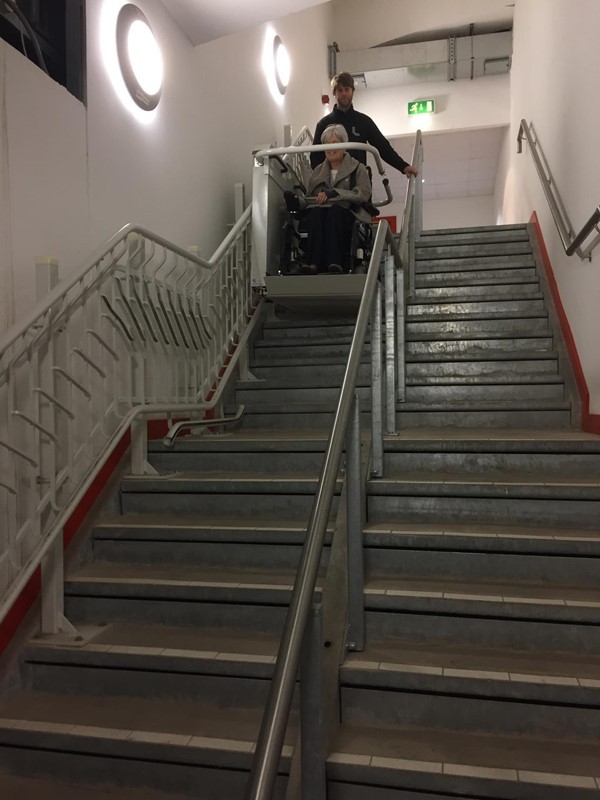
[471, 702]
[220, 452]
[534, 414]
[171, 539]
[229, 678]
[500, 233]
[25, 787]
[474, 289]
[521, 268]
[483, 538]
[552, 453]
[405, 763]
[259, 495]
[466, 264]
[461, 307]
[515, 615]
[498, 386]
[467, 497]
[514, 324]
[428, 344]
[181, 595]
[145, 743]
[496, 248]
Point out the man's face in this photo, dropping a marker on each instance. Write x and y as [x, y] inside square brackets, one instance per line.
[343, 96]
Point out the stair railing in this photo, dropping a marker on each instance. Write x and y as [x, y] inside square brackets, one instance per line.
[270, 741]
[412, 220]
[571, 242]
[144, 328]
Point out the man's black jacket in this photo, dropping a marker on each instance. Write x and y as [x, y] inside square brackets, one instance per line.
[360, 128]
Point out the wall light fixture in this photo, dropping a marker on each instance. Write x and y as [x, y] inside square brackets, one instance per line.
[281, 64]
[139, 56]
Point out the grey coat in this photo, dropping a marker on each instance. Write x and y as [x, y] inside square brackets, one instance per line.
[347, 197]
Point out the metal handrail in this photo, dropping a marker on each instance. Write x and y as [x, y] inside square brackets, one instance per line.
[272, 152]
[270, 740]
[412, 219]
[570, 241]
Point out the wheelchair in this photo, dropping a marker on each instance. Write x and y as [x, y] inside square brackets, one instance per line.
[295, 235]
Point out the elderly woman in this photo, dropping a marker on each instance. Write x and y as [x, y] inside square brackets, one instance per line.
[340, 186]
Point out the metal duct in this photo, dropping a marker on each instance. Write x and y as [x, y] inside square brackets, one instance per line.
[454, 58]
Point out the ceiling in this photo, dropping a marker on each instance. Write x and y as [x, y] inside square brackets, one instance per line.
[459, 163]
[204, 20]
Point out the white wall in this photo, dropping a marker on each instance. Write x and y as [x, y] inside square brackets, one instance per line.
[459, 212]
[555, 85]
[72, 175]
[484, 102]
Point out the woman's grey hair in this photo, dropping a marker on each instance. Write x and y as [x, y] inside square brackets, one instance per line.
[334, 130]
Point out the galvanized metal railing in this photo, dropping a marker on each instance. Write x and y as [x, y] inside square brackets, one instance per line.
[382, 304]
[144, 328]
[571, 241]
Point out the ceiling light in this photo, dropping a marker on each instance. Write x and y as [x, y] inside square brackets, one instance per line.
[140, 58]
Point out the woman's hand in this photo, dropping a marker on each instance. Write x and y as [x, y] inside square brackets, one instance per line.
[322, 197]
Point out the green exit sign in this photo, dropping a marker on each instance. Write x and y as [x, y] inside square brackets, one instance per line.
[421, 107]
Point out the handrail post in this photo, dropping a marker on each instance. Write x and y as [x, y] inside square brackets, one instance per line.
[390, 345]
[401, 335]
[312, 709]
[355, 515]
[139, 448]
[411, 253]
[376, 386]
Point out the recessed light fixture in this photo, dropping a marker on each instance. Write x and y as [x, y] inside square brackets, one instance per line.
[139, 56]
[281, 64]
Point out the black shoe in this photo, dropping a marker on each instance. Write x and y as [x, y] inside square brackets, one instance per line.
[334, 269]
[294, 202]
[360, 269]
[308, 269]
[294, 268]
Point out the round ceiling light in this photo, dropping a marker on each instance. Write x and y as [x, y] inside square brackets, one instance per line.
[282, 64]
[140, 58]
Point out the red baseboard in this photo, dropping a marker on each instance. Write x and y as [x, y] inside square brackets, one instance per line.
[589, 422]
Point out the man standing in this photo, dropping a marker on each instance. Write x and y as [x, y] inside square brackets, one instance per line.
[360, 128]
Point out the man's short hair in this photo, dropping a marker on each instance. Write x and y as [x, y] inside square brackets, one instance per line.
[342, 79]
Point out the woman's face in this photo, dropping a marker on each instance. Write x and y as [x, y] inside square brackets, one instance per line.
[333, 156]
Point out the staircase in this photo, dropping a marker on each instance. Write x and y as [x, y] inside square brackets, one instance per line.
[481, 674]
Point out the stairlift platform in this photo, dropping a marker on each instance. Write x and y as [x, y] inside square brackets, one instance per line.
[329, 294]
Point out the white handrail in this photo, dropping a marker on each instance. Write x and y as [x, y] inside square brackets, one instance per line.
[143, 328]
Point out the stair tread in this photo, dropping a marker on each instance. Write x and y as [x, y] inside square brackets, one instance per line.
[167, 639]
[397, 653]
[182, 574]
[515, 757]
[119, 716]
[20, 787]
[528, 593]
[550, 533]
[198, 522]
[503, 477]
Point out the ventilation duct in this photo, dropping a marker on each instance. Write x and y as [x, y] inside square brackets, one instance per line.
[454, 58]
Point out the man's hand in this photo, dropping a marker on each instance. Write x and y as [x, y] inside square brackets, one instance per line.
[410, 170]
